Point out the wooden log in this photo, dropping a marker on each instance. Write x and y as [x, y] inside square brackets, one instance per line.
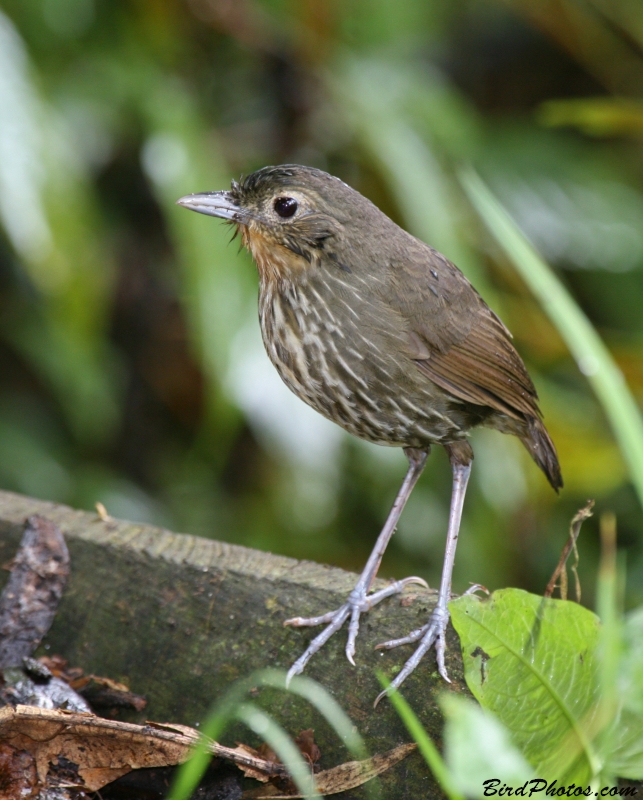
[179, 618]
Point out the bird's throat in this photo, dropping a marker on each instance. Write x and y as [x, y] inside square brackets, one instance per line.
[275, 263]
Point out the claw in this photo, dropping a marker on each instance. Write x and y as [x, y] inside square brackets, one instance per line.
[291, 674]
[310, 622]
[414, 579]
[477, 587]
[353, 630]
[432, 634]
[385, 693]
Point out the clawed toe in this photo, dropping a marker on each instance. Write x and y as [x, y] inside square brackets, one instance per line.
[412, 637]
[432, 634]
[310, 622]
[357, 604]
[433, 637]
[366, 602]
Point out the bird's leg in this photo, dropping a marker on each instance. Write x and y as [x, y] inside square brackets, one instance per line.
[359, 600]
[460, 455]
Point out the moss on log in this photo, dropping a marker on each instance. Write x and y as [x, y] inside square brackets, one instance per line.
[179, 618]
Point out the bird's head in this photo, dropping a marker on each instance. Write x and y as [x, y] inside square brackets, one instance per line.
[289, 216]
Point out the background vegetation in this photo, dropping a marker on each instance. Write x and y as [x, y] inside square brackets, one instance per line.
[131, 366]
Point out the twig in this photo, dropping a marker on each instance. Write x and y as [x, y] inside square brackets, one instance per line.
[574, 530]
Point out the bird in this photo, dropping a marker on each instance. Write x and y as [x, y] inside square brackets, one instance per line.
[383, 335]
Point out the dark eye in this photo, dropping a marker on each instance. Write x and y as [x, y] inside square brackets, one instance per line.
[285, 206]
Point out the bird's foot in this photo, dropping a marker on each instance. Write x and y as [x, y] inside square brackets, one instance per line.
[358, 602]
[433, 633]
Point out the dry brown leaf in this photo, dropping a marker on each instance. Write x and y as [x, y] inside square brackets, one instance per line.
[17, 773]
[252, 772]
[266, 752]
[59, 668]
[308, 747]
[103, 749]
[105, 693]
[305, 743]
[342, 778]
[173, 727]
[98, 691]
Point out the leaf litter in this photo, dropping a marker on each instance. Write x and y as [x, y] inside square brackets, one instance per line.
[101, 750]
[48, 750]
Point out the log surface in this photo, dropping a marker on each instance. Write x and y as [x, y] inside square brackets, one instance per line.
[179, 618]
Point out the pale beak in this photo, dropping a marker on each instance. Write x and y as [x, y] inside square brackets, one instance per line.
[214, 204]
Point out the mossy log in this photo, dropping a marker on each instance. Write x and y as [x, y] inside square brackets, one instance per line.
[179, 618]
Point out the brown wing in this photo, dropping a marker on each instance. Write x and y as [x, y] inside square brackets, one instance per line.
[463, 347]
[456, 340]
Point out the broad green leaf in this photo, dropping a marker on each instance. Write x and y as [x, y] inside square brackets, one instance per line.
[532, 661]
[478, 748]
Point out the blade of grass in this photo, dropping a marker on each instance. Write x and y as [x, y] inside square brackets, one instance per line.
[192, 771]
[269, 730]
[592, 356]
[257, 720]
[317, 696]
[189, 774]
[423, 740]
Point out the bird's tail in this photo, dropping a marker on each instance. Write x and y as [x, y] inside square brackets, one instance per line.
[541, 448]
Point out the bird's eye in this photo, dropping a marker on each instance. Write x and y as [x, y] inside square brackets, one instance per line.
[285, 206]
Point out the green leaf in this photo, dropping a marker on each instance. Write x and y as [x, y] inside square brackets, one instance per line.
[50, 215]
[532, 661]
[478, 748]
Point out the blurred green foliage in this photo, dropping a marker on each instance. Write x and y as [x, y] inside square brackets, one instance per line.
[131, 366]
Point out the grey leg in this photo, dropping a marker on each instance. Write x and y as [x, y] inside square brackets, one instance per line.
[359, 600]
[434, 631]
